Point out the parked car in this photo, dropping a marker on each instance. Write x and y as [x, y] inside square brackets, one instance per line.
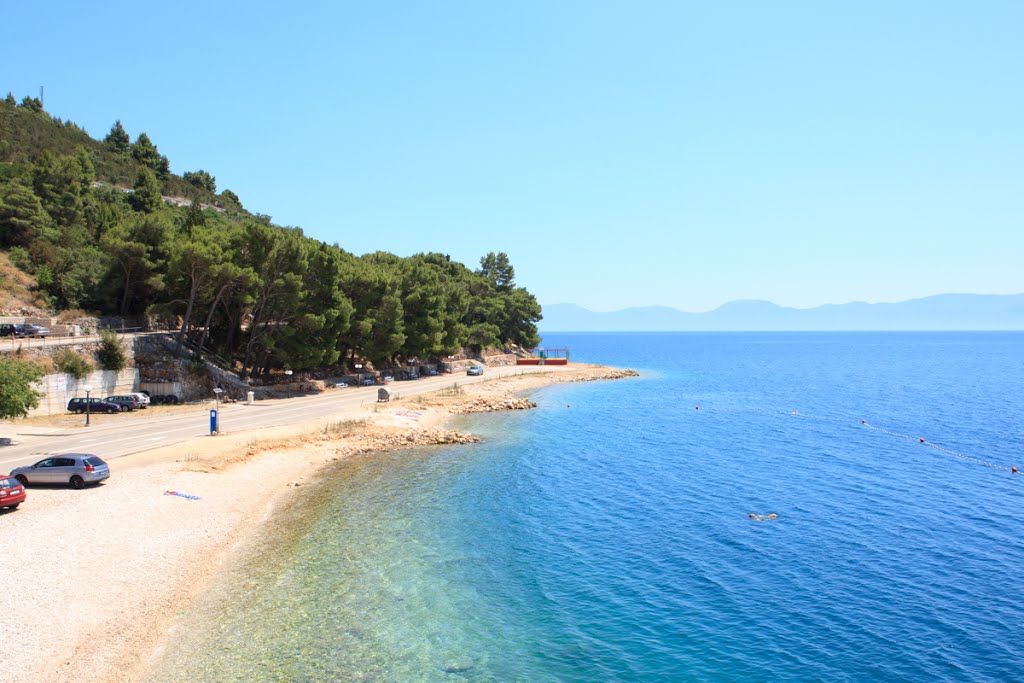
[15, 330]
[475, 370]
[96, 405]
[432, 372]
[368, 382]
[39, 330]
[143, 398]
[12, 492]
[74, 469]
[127, 402]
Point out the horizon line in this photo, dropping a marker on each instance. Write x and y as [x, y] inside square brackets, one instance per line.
[767, 301]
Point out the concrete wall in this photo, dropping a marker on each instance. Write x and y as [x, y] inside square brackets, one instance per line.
[161, 388]
[59, 388]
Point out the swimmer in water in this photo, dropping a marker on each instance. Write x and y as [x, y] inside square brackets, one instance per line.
[762, 518]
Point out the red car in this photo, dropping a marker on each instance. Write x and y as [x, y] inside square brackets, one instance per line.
[12, 493]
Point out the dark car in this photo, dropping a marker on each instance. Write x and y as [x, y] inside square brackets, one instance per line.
[16, 330]
[74, 469]
[127, 402]
[39, 330]
[95, 405]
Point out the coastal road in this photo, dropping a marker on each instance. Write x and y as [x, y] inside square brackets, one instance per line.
[18, 344]
[116, 436]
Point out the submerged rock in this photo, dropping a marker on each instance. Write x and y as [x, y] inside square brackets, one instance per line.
[458, 667]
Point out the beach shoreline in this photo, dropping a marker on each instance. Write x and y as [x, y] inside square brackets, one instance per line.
[134, 555]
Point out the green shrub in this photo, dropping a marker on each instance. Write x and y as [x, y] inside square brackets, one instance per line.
[73, 364]
[111, 354]
[17, 395]
[20, 258]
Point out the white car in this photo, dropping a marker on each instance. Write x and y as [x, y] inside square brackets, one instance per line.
[143, 399]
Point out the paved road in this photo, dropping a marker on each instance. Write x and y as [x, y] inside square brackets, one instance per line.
[12, 344]
[116, 436]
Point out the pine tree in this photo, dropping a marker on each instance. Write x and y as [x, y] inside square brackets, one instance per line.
[202, 180]
[22, 218]
[117, 139]
[147, 192]
[87, 172]
[33, 104]
[195, 217]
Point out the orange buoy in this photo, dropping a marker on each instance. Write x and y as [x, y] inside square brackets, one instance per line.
[921, 440]
[1013, 470]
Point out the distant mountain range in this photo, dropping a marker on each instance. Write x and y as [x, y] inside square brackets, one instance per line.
[941, 312]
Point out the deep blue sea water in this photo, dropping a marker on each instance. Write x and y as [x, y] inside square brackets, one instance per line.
[605, 535]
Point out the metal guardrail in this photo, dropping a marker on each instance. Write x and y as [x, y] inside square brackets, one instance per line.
[208, 356]
[10, 344]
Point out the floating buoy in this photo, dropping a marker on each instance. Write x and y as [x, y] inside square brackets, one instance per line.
[921, 440]
[696, 408]
[796, 412]
[863, 422]
[1013, 470]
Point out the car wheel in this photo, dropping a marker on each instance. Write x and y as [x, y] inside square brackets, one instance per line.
[124, 409]
[113, 410]
[77, 482]
[22, 478]
[14, 507]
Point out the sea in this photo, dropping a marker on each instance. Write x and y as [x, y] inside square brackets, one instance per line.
[607, 535]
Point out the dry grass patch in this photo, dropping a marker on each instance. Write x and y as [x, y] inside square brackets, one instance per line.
[17, 289]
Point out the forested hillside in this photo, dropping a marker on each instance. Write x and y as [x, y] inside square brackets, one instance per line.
[88, 220]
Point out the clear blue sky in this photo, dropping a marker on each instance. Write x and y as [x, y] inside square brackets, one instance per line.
[671, 153]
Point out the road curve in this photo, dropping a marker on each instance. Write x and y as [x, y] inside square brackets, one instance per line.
[138, 432]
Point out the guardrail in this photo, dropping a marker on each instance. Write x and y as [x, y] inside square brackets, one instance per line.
[208, 356]
[10, 344]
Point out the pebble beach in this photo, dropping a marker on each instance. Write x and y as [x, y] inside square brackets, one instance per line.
[94, 578]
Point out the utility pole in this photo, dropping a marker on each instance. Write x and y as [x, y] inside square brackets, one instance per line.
[42, 96]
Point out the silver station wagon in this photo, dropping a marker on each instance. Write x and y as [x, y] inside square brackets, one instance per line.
[74, 469]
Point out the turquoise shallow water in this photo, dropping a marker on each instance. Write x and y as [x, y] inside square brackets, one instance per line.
[604, 536]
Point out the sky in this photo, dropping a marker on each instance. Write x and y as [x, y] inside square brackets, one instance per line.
[681, 154]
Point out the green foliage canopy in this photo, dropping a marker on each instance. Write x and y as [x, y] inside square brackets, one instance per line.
[111, 354]
[118, 140]
[17, 393]
[202, 180]
[260, 296]
[68, 361]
